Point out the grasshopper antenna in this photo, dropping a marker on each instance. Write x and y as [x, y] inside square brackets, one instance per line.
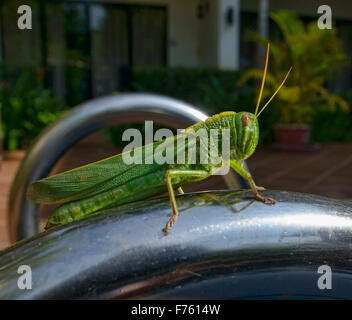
[263, 80]
[277, 90]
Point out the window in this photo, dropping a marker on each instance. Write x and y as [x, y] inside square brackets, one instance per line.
[83, 46]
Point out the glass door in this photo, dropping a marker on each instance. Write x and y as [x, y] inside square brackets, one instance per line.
[109, 36]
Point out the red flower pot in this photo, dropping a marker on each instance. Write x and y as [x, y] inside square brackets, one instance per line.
[292, 134]
[293, 137]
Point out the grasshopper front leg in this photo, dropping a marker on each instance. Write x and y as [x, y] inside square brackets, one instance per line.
[201, 174]
[238, 167]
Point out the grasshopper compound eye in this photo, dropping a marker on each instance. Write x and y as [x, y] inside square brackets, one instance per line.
[245, 119]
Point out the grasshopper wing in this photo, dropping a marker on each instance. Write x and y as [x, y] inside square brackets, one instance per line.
[100, 176]
[91, 179]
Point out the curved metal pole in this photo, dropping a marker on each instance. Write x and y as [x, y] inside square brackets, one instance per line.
[221, 247]
[80, 122]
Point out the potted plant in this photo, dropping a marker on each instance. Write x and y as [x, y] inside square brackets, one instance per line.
[313, 53]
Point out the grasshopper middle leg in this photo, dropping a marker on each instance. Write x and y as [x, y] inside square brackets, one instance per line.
[168, 179]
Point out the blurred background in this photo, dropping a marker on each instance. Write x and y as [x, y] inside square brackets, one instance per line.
[209, 53]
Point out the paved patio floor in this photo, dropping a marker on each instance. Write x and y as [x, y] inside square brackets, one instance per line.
[327, 172]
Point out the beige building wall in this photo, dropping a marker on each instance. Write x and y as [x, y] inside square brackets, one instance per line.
[207, 41]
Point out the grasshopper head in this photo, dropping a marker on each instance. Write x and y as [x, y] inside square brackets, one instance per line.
[246, 124]
[247, 131]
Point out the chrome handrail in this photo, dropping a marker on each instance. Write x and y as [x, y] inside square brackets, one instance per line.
[223, 246]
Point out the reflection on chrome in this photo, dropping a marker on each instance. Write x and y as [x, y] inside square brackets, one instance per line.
[309, 220]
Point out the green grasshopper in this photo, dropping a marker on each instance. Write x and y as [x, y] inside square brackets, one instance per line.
[111, 182]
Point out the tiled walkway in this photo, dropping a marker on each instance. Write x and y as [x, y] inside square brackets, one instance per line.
[327, 172]
[8, 170]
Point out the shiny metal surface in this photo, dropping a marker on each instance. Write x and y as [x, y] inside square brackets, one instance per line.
[223, 246]
[78, 123]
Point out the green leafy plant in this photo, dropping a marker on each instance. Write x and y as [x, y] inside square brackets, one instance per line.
[333, 126]
[210, 89]
[26, 110]
[314, 54]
